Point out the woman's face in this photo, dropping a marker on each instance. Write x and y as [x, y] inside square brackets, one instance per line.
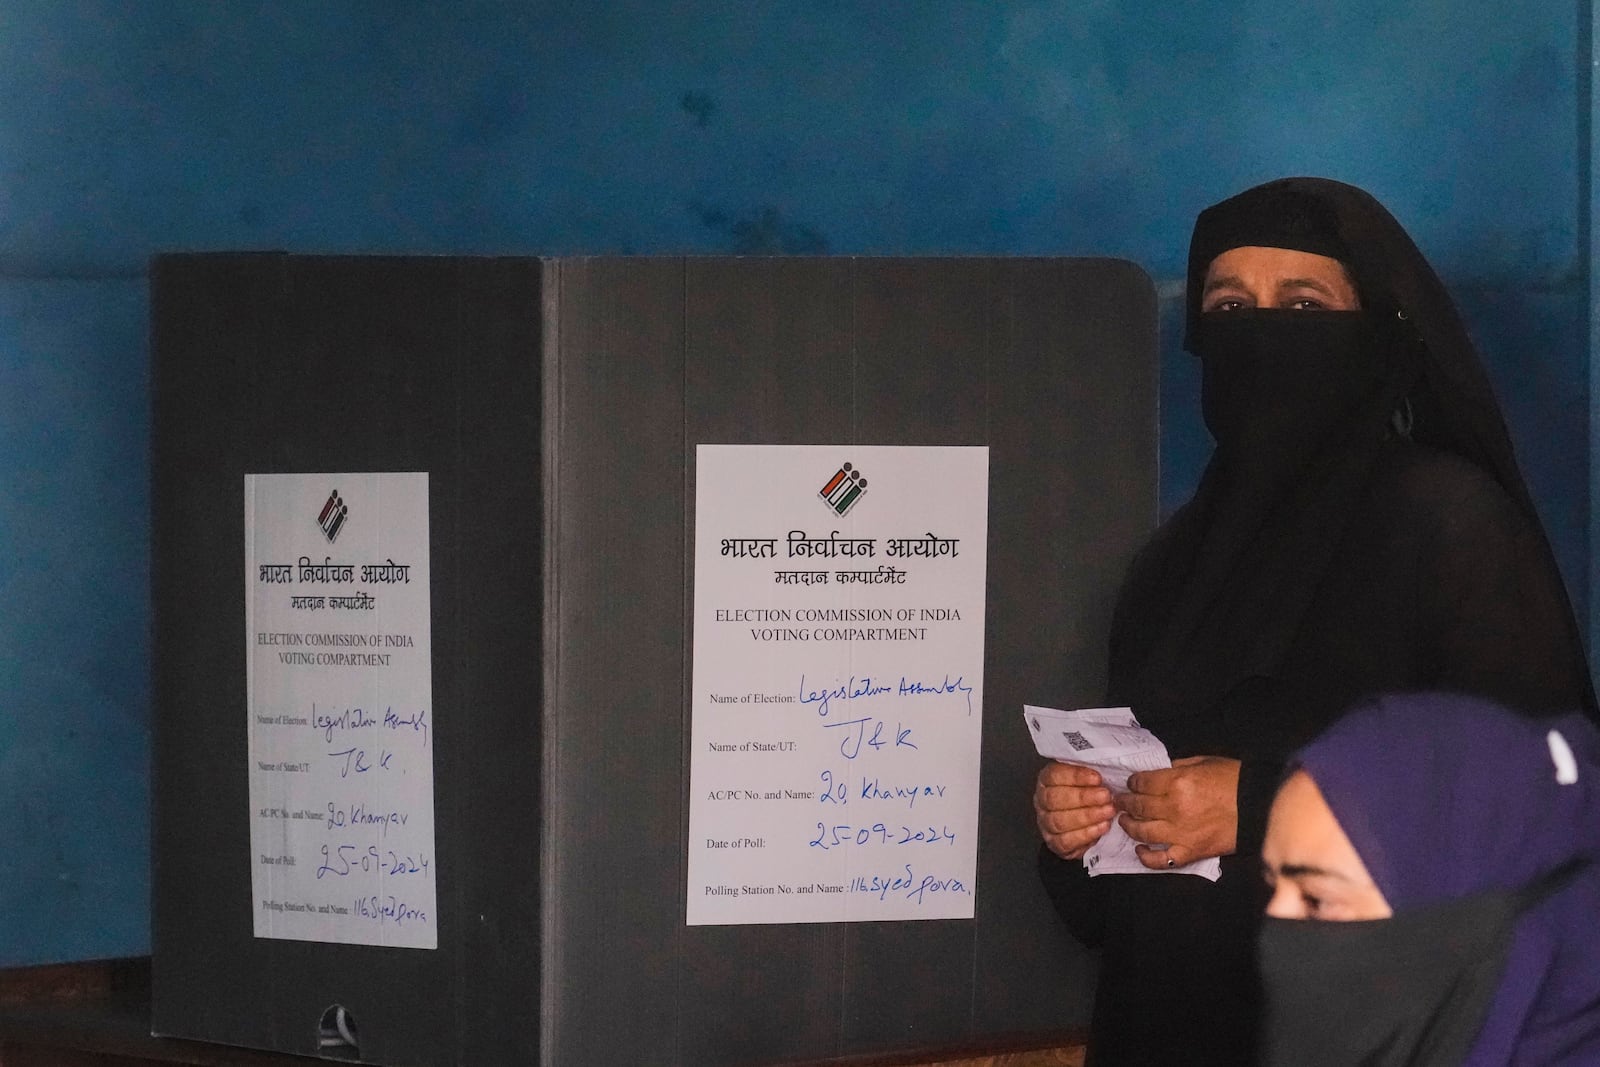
[1310, 864]
[1257, 277]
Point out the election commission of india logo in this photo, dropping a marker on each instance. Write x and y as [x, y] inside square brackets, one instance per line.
[334, 513]
[843, 489]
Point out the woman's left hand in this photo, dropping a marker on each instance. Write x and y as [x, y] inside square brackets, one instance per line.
[1192, 808]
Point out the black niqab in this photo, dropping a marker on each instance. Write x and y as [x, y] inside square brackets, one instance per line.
[1395, 282]
[1302, 404]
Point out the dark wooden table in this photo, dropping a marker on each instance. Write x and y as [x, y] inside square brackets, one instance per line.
[98, 1015]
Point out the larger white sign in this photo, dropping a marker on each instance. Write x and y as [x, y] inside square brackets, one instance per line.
[339, 654]
[838, 683]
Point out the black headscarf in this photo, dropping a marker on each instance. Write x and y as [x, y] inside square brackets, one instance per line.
[1398, 288]
[1302, 404]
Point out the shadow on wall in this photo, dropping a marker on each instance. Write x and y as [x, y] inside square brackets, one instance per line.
[763, 231]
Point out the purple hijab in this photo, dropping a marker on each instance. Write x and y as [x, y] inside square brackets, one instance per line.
[1445, 796]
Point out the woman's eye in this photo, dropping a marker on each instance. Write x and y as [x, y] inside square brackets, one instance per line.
[1313, 904]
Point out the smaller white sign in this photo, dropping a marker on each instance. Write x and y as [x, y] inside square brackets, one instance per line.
[339, 660]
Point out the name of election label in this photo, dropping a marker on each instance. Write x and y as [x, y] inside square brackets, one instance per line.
[838, 683]
[339, 653]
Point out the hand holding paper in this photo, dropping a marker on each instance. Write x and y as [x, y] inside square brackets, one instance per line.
[1112, 743]
[1190, 807]
[1072, 807]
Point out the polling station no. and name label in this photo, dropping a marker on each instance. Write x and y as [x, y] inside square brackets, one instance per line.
[838, 683]
[340, 693]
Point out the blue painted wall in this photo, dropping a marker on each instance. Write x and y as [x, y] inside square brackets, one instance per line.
[840, 127]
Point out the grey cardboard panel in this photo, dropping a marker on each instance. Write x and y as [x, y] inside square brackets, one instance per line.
[494, 524]
[929, 331]
[768, 344]
[1080, 362]
[1051, 363]
[557, 407]
[199, 796]
[277, 363]
[770, 361]
[614, 425]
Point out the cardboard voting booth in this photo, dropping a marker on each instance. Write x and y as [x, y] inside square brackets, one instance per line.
[620, 660]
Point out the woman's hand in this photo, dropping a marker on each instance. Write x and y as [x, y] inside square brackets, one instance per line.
[1192, 808]
[1072, 807]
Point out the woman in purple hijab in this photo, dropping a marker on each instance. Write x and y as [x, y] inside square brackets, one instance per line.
[1435, 870]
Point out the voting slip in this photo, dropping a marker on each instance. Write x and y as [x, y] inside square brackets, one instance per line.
[1111, 741]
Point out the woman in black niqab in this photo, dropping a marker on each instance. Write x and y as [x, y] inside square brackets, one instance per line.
[1362, 528]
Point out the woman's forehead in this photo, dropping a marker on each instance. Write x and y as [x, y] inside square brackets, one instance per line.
[1260, 262]
[1303, 831]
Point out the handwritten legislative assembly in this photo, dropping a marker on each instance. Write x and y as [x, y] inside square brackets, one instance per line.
[340, 683]
[838, 683]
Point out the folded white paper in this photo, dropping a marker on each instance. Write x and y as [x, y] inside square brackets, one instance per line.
[1111, 741]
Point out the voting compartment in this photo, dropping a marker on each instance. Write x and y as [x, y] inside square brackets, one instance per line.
[623, 660]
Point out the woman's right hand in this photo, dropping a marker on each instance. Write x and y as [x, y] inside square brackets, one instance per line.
[1072, 807]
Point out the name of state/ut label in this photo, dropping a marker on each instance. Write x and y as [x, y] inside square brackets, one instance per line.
[754, 746]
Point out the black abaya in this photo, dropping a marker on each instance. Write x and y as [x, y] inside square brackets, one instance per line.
[1308, 572]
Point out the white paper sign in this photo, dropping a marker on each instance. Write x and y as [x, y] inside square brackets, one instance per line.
[340, 690]
[838, 683]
